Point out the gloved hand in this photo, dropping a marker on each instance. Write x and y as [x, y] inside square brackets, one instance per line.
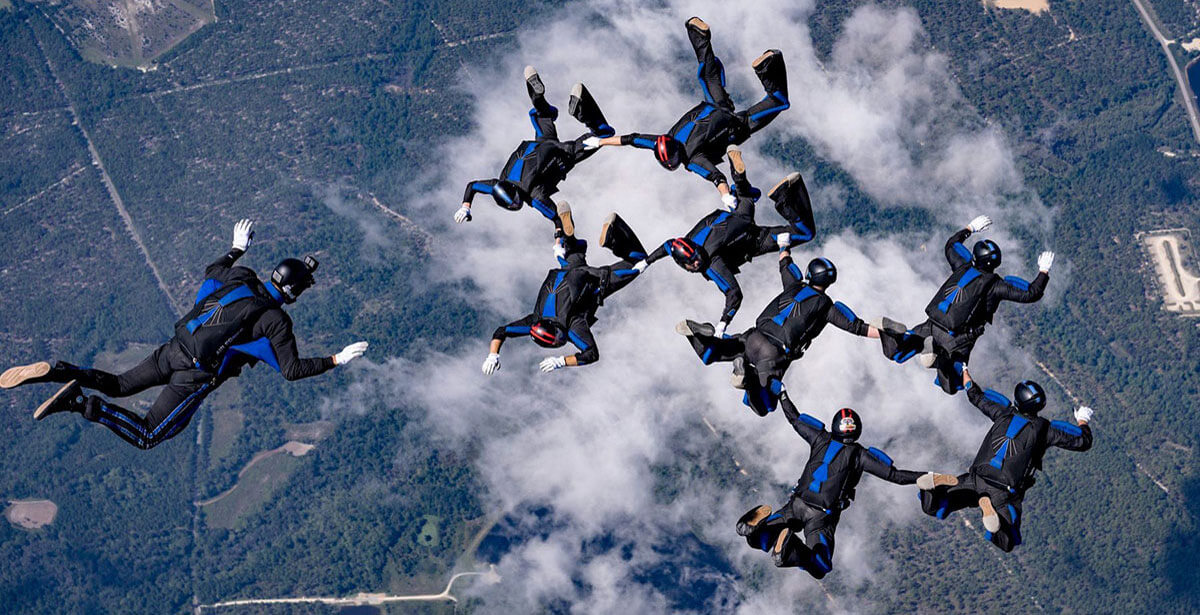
[550, 364]
[591, 143]
[783, 240]
[1045, 260]
[640, 266]
[349, 353]
[491, 363]
[729, 201]
[560, 251]
[1083, 415]
[243, 234]
[929, 480]
[979, 223]
[463, 214]
[719, 330]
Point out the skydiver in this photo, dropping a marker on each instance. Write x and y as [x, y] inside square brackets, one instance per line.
[962, 307]
[785, 328]
[698, 140]
[534, 170]
[1009, 456]
[723, 240]
[836, 463]
[236, 322]
[566, 305]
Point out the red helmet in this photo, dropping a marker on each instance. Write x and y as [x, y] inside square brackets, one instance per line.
[548, 334]
[688, 254]
[668, 151]
[846, 425]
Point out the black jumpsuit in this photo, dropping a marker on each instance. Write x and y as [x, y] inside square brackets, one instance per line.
[781, 334]
[825, 489]
[267, 338]
[732, 239]
[710, 127]
[1003, 468]
[958, 313]
[537, 167]
[570, 297]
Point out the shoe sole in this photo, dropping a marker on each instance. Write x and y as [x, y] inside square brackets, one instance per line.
[17, 376]
[945, 480]
[683, 329]
[735, 160]
[698, 24]
[989, 513]
[774, 194]
[777, 548]
[575, 100]
[41, 410]
[738, 377]
[762, 58]
[564, 214]
[894, 327]
[535, 83]
[604, 228]
[760, 513]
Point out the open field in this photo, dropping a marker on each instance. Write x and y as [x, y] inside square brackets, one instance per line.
[31, 514]
[1033, 6]
[1169, 251]
[265, 473]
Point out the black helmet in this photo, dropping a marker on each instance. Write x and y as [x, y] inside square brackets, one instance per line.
[507, 195]
[293, 276]
[1030, 397]
[668, 151]
[548, 333]
[689, 254]
[846, 426]
[821, 272]
[987, 255]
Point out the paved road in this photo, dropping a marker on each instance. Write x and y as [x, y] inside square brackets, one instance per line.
[1189, 100]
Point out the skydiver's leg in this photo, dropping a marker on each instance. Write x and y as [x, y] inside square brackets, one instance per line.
[1009, 511]
[773, 74]
[792, 202]
[543, 114]
[950, 354]
[766, 241]
[710, 72]
[584, 108]
[818, 538]
[765, 366]
[762, 534]
[742, 188]
[900, 344]
[943, 501]
[619, 238]
[712, 349]
[171, 412]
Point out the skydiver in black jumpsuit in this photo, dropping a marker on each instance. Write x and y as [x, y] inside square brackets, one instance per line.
[236, 322]
[566, 305]
[836, 463]
[962, 307]
[534, 170]
[781, 334]
[723, 241]
[1010, 453]
[698, 140]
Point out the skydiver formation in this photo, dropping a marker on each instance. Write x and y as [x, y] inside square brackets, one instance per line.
[237, 320]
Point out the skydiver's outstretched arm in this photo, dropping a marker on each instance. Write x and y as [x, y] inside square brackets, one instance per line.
[721, 275]
[958, 254]
[808, 427]
[515, 328]
[1015, 289]
[635, 139]
[659, 253]
[708, 170]
[844, 318]
[992, 404]
[276, 326]
[580, 335]
[1070, 437]
[243, 234]
[877, 463]
[478, 186]
[788, 270]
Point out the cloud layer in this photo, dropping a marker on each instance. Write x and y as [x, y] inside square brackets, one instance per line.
[599, 452]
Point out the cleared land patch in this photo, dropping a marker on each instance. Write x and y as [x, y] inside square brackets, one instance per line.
[257, 482]
[1170, 252]
[1036, 7]
[131, 33]
[31, 514]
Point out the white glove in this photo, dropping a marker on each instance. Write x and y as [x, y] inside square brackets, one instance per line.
[640, 266]
[591, 143]
[719, 330]
[1045, 260]
[783, 240]
[979, 223]
[491, 363]
[349, 353]
[243, 234]
[560, 251]
[729, 201]
[550, 364]
[1083, 415]
[463, 214]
